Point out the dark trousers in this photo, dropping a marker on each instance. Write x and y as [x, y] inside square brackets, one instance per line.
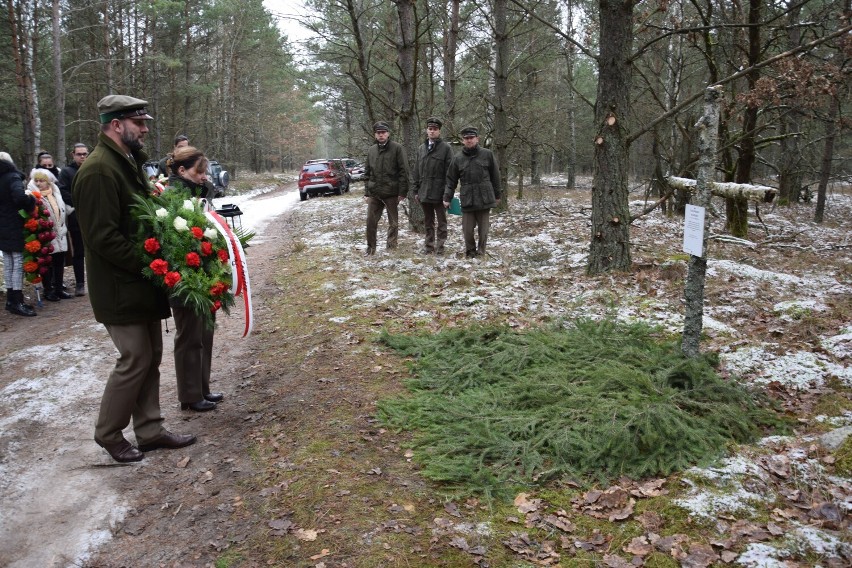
[481, 221]
[193, 354]
[55, 274]
[375, 206]
[77, 248]
[433, 212]
[133, 387]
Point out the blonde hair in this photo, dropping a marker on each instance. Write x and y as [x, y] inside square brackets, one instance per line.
[43, 174]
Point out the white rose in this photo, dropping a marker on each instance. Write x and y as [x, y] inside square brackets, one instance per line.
[162, 213]
[188, 205]
[210, 233]
[180, 224]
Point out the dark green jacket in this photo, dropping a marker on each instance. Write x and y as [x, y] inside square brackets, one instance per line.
[104, 190]
[430, 171]
[479, 176]
[386, 171]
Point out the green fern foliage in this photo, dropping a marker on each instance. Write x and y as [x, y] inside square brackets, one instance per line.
[491, 407]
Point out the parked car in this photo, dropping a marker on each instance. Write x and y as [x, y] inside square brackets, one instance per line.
[320, 177]
[218, 177]
[354, 167]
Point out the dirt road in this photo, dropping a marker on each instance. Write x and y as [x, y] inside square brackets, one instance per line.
[62, 496]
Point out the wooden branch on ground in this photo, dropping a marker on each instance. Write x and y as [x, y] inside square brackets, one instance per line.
[751, 192]
[733, 240]
[654, 205]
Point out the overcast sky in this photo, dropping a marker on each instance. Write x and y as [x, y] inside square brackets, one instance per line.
[286, 13]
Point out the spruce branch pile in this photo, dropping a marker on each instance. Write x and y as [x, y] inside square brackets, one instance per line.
[598, 400]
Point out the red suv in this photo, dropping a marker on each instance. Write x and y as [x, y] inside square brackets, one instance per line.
[320, 177]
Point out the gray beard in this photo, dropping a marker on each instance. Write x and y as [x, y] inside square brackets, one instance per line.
[134, 144]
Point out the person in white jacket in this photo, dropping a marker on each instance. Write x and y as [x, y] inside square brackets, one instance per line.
[44, 182]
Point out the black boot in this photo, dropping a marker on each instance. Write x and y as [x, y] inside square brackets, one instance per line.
[18, 306]
[8, 298]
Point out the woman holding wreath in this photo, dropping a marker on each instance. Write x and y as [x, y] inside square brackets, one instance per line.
[193, 337]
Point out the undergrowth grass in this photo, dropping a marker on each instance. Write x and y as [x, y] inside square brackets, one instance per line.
[492, 408]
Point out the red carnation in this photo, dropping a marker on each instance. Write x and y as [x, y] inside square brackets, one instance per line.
[159, 266]
[206, 248]
[152, 245]
[171, 279]
[216, 306]
[31, 225]
[197, 232]
[193, 260]
[223, 255]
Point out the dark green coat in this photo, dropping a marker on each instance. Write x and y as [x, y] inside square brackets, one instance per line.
[104, 190]
[386, 171]
[479, 176]
[430, 171]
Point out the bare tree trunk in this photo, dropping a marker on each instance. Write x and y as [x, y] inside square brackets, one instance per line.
[501, 134]
[362, 77]
[737, 209]
[827, 155]
[408, 86]
[450, 45]
[789, 170]
[694, 288]
[610, 240]
[21, 52]
[60, 153]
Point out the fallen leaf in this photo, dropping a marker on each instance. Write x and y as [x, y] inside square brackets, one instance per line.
[183, 463]
[614, 561]
[561, 523]
[409, 454]
[639, 546]
[700, 556]
[305, 534]
[323, 553]
[779, 465]
[452, 509]
[525, 505]
[280, 524]
[460, 543]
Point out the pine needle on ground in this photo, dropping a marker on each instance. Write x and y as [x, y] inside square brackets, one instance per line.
[491, 407]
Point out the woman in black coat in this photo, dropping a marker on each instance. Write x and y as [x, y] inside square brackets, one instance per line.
[12, 200]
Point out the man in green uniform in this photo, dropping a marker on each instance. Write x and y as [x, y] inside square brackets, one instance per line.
[430, 180]
[129, 305]
[476, 169]
[386, 175]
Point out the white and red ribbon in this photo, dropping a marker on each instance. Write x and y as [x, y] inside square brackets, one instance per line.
[239, 268]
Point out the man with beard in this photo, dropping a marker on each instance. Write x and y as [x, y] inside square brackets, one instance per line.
[123, 300]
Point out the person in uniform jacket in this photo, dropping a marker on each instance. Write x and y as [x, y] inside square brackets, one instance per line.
[430, 180]
[66, 178]
[386, 185]
[13, 199]
[129, 305]
[476, 170]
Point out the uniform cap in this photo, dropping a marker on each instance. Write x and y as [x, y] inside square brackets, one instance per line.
[469, 131]
[381, 125]
[121, 106]
[434, 121]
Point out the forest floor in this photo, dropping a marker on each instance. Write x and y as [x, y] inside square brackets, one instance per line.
[294, 468]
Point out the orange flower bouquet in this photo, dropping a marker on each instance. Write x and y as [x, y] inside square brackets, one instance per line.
[38, 232]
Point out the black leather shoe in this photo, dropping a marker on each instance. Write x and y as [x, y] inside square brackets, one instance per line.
[202, 405]
[21, 309]
[123, 451]
[169, 441]
[214, 396]
[51, 297]
[63, 295]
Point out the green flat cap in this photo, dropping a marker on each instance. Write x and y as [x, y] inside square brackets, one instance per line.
[121, 106]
